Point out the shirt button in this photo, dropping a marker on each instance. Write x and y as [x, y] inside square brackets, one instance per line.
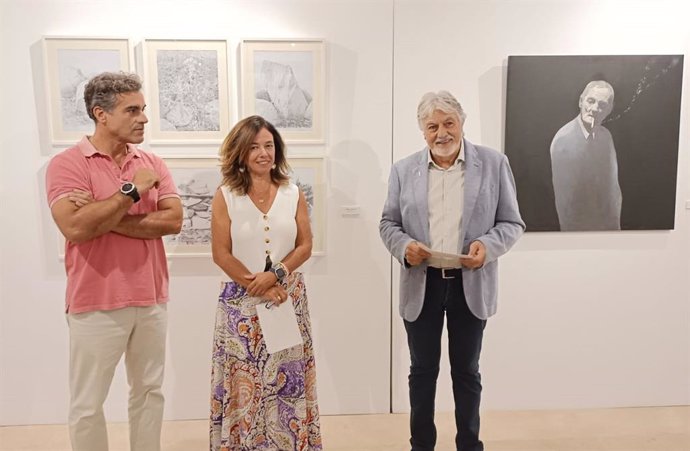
[267, 241]
[268, 251]
[265, 216]
[267, 228]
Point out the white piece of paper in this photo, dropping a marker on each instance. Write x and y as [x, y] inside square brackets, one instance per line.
[279, 325]
[445, 259]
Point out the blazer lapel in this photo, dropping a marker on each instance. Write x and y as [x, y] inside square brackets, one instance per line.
[420, 188]
[473, 172]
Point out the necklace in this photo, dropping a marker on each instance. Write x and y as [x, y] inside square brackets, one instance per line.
[261, 197]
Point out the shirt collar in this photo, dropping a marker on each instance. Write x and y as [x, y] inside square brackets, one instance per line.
[88, 150]
[460, 159]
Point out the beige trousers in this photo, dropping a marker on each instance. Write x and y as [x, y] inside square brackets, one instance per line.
[97, 341]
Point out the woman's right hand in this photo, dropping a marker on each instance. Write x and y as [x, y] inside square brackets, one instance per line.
[276, 295]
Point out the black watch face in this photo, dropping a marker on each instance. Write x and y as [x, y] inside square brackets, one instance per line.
[128, 189]
[280, 272]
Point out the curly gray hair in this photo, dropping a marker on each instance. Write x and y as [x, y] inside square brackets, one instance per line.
[103, 89]
[442, 100]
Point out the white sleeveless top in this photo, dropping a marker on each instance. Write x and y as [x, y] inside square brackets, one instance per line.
[255, 234]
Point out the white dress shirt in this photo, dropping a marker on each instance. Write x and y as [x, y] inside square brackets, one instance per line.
[446, 194]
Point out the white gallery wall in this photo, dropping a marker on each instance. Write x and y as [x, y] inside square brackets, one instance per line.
[585, 320]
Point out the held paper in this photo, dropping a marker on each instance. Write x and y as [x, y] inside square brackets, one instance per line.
[279, 325]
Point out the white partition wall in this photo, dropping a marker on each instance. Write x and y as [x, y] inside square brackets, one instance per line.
[584, 319]
[348, 287]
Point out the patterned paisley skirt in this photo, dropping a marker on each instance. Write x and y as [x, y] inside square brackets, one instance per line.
[261, 401]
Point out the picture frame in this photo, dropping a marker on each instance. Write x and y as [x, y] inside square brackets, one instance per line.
[308, 174]
[197, 180]
[69, 63]
[583, 169]
[187, 89]
[284, 82]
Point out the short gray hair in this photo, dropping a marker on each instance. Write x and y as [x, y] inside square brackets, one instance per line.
[103, 89]
[597, 84]
[442, 100]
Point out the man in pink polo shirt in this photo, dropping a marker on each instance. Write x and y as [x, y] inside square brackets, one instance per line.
[114, 202]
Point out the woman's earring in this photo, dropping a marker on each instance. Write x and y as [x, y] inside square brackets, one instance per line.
[274, 166]
[241, 169]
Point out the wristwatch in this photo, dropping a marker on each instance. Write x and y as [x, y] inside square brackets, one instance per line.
[280, 271]
[129, 189]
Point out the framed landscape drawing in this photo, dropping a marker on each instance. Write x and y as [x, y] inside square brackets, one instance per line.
[69, 64]
[187, 91]
[284, 81]
[307, 174]
[197, 180]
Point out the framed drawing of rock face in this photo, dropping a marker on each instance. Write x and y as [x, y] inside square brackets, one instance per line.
[197, 180]
[69, 64]
[186, 88]
[284, 82]
[593, 140]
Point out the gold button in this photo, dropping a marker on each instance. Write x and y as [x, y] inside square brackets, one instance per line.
[268, 251]
[268, 240]
[267, 228]
[265, 216]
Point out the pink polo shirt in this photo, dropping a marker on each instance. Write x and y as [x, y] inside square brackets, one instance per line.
[111, 271]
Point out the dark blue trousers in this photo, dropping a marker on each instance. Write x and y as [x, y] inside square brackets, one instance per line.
[445, 297]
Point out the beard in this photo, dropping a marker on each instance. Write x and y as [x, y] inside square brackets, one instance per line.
[444, 151]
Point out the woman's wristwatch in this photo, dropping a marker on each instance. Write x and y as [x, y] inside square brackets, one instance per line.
[280, 271]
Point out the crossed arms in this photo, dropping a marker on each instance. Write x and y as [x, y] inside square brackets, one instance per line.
[80, 218]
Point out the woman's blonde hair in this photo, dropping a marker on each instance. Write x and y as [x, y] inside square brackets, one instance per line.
[236, 147]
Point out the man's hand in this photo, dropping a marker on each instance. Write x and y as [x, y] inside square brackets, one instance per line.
[477, 254]
[145, 179]
[415, 254]
[80, 198]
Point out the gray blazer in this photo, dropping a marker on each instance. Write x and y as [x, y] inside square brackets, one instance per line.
[490, 215]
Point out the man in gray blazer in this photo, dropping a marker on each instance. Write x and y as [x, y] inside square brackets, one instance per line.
[451, 197]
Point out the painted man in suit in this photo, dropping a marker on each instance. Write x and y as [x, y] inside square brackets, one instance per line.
[584, 166]
[457, 198]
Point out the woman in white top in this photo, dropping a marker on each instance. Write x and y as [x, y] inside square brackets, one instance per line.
[260, 236]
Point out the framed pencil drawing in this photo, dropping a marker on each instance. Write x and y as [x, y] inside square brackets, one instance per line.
[284, 81]
[69, 64]
[307, 174]
[197, 180]
[187, 91]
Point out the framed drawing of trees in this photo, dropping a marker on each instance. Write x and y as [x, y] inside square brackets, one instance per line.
[186, 85]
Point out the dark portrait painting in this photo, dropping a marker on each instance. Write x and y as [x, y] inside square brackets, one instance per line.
[593, 140]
